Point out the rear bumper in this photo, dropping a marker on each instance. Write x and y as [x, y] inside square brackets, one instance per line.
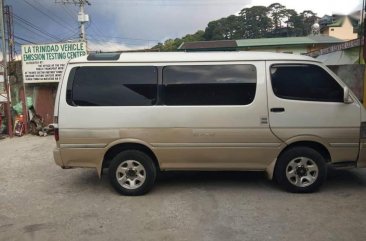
[57, 157]
[361, 162]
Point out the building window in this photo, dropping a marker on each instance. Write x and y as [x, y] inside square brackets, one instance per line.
[305, 82]
[209, 84]
[114, 86]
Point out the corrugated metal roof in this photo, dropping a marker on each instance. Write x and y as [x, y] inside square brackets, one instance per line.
[209, 44]
[316, 39]
[337, 23]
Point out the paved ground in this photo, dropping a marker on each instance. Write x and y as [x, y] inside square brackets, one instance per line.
[40, 201]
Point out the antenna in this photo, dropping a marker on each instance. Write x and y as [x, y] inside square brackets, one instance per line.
[82, 17]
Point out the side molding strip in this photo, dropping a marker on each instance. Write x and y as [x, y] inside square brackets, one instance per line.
[98, 145]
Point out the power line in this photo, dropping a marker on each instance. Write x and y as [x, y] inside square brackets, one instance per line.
[68, 12]
[82, 17]
[34, 33]
[62, 18]
[26, 22]
[47, 15]
[25, 40]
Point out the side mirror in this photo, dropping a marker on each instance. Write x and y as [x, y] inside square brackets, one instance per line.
[347, 99]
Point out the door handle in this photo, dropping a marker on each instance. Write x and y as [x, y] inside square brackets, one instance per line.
[280, 109]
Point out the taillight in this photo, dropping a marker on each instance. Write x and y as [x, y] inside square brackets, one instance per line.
[57, 136]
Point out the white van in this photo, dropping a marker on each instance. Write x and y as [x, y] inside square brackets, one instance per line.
[140, 113]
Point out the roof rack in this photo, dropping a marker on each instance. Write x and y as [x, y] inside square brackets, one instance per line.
[103, 56]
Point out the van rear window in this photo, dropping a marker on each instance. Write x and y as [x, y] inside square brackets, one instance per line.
[209, 84]
[114, 86]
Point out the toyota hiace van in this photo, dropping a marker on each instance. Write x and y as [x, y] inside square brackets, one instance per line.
[140, 113]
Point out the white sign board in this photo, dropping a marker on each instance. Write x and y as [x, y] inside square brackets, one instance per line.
[2, 90]
[45, 63]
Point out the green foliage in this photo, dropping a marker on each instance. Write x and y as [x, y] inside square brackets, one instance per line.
[254, 22]
[173, 44]
[277, 12]
[308, 18]
[225, 28]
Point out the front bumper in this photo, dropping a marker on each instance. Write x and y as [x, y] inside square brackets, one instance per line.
[57, 157]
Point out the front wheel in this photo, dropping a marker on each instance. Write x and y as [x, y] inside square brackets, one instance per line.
[301, 170]
[132, 173]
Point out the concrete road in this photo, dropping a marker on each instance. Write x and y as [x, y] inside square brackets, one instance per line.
[40, 201]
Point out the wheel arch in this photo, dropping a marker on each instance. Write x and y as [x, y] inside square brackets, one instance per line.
[318, 146]
[123, 145]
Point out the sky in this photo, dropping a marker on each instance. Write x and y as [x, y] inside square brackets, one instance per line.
[134, 24]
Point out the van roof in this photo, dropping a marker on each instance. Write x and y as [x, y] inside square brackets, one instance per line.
[156, 57]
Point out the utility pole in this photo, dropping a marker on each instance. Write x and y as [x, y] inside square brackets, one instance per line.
[363, 16]
[8, 12]
[82, 17]
[6, 79]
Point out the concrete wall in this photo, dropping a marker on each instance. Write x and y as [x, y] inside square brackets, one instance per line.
[43, 95]
[352, 75]
[345, 32]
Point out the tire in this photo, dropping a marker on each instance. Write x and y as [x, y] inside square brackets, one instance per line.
[132, 173]
[301, 170]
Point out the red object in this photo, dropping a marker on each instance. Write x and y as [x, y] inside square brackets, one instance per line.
[20, 118]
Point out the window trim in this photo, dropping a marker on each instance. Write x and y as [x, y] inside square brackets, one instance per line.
[69, 86]
[301, 65]
[71, 78]
[163, 85]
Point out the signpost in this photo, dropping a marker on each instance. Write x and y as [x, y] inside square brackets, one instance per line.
[45, 63]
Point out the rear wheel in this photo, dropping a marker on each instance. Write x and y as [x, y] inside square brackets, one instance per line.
[132, 173]
[301, 169]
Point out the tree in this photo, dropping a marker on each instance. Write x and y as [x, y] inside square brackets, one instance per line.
[277, 12]
[173, 44]
[294, 23]
[254, 22]
[224, 28]
[308, 18]
[197, 36]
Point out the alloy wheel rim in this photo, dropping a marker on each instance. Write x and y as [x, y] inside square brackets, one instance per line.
[131, 174]
[302, 171]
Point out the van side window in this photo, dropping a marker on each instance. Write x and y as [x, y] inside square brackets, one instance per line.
[114, 86]
[209, 84]
[305, 82]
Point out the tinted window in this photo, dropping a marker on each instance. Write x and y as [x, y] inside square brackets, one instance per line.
[209, 84]
[114, 86]
[305, 82]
